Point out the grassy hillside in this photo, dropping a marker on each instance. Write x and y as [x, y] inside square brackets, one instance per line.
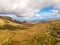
[12, 33]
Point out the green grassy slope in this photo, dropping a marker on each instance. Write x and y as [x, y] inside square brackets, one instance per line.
[12, 33]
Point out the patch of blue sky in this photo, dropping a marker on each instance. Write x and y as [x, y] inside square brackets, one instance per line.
[47, 14]
[46, 9]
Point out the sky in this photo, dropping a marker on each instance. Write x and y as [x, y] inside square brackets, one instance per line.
[30, 10]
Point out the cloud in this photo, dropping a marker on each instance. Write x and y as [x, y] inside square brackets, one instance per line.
[55, 11]
[26, 8]
[33, 17]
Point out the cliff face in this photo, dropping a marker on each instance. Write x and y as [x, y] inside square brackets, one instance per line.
[44, 33]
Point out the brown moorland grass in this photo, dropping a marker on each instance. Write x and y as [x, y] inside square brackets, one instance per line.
[45, 33]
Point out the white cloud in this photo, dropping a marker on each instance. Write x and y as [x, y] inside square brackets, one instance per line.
[26, 8]
[55, 11]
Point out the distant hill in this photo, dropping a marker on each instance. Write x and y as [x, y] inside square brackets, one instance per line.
[25, 33]
[8, 19]
[8, 23]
